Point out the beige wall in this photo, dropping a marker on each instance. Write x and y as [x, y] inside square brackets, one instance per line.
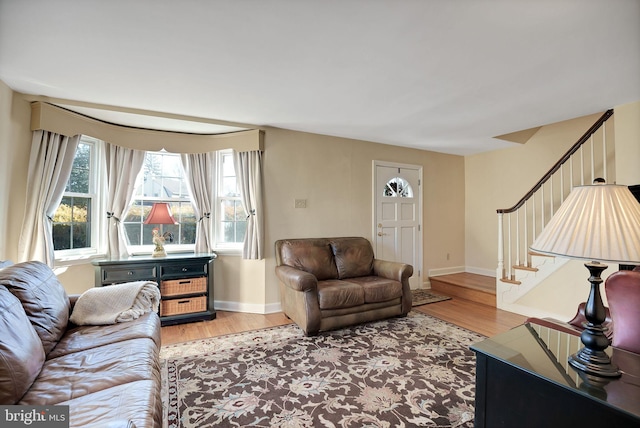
[627, 129]
[500, 178]
[335, 176]
[491, 184]
[15, 144]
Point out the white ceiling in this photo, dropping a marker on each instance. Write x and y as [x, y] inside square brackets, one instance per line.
[442, 75]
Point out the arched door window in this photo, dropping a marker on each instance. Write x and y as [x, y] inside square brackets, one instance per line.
[398, 188]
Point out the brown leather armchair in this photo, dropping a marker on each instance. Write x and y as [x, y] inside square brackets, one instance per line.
[328, 283]
[623, 297]
[622, 289]
[575, 325]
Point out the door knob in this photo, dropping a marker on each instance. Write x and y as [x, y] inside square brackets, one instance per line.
[381, 234]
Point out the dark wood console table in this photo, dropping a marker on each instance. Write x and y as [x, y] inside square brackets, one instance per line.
[185, 281]
[523, 380]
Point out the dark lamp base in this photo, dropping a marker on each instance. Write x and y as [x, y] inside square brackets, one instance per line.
[595, 363]
[592, 359]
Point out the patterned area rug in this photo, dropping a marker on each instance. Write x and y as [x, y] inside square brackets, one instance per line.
[422, 297]
[402, 372]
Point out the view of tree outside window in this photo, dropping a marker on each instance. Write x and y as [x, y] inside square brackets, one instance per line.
[398, 187]
[73, 218]
[233, 218]
[162, 180]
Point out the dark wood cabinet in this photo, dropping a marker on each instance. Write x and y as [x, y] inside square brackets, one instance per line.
[185, 282]
[523, 380]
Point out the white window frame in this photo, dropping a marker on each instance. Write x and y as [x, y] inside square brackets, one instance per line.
[98, 198]
[99, 221]
[148, 249]
[220, 246]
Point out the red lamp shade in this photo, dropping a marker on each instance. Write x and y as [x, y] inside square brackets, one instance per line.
[160, 214]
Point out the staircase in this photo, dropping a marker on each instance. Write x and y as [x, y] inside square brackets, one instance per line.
[519, 270]
[520, 225]
[469, 286]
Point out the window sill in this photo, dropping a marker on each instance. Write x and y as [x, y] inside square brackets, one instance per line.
[77, 259]
[228, 251]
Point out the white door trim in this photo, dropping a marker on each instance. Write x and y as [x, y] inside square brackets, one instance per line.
[418, 271]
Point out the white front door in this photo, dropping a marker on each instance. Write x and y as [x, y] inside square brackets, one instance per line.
[398, 213]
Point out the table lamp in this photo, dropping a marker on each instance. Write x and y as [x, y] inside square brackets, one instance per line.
[599, 223]
[160, 214]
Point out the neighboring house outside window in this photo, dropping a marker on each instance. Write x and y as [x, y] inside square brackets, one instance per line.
[76, 223]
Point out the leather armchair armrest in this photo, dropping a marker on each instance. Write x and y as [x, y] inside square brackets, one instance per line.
[392, 270]
[555, 325]
[580, 319]
[297, 279]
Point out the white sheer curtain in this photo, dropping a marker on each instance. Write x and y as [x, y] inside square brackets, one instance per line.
[123, 166]
[199, 169]
[50, 164]
[248, 167]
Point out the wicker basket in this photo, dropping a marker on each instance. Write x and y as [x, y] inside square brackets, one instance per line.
[183, 306]
[183, 286]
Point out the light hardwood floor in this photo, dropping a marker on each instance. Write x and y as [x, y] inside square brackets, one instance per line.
[477, 317]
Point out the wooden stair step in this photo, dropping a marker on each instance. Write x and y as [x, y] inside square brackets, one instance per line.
[527, 268]
[535, 253]
[469, 286]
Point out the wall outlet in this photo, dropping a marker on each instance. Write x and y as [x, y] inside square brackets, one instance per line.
[301, 203]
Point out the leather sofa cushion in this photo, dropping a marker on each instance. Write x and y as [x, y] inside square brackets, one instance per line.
[44, 299]
[335, 294]
[378, 289]
[310, 255]
[137, 402]
[80, 338]
[21, 353]
[353, 257]
[81, 373]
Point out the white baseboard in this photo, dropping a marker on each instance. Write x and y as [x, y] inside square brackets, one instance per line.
[481, 271]
[251, 308]
[446, 271]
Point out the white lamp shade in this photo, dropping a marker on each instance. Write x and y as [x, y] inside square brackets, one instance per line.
[597, 223]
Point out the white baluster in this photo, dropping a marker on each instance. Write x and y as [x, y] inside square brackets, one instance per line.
[500, 269]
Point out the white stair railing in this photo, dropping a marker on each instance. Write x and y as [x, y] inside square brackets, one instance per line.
[537, 207]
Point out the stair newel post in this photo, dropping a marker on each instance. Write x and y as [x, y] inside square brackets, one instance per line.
[500, 270]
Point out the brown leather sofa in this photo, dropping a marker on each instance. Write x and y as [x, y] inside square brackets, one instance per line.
[108, 375]
[328, 283]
